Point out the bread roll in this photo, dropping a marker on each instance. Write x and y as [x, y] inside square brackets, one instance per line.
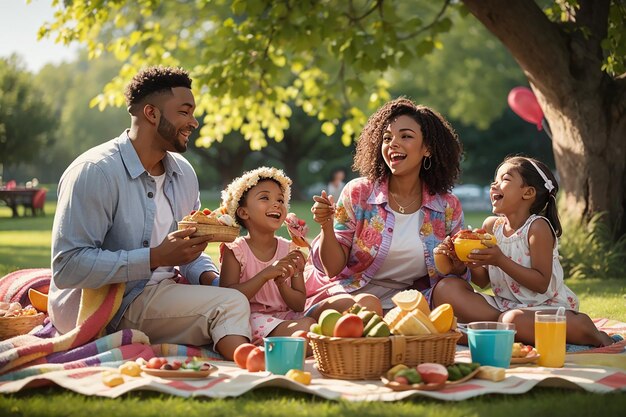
[443, 263]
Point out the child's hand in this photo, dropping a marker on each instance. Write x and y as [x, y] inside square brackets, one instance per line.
[323, 209]
[287, 267]
[490, 256]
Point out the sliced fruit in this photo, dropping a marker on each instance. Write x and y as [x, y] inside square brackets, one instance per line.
[407, 300]
[299, 376]
[410, 325]
[442, 318]
[373, 322]
[425, 320]
[380, 330]
[38, 300]
[433, 373]
[391, 373]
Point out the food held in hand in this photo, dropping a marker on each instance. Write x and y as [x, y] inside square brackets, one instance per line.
[467, 240]
[297, 229]
[443, 263]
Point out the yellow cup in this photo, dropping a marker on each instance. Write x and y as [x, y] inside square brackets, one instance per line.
[550, 330]
[463, 247]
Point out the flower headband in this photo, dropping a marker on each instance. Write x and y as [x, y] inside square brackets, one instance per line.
[547, 183]
[236, 189]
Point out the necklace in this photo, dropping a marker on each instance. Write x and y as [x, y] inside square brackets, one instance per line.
[401, 208]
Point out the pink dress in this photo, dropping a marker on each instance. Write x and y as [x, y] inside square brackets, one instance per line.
[267, 307]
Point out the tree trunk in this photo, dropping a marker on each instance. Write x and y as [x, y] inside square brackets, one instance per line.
[584, 106]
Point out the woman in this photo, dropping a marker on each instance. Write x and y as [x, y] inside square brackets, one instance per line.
[388, 221]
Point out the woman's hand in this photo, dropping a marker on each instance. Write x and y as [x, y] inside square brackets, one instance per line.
[323, 209]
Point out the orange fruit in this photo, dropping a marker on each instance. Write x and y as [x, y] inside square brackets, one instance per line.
[38, 300]
[442, 318]
[409, 300]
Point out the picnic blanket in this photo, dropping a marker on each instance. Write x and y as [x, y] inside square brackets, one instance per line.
[45, 351]
[76, 360]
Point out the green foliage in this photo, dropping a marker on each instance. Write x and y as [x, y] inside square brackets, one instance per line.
[613, 45]
[590, 250]
[252, 59]
[70, 87]
[26, 118]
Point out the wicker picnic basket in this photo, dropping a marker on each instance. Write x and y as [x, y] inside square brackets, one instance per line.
[220, 232]
[371, 357]
[15, 326]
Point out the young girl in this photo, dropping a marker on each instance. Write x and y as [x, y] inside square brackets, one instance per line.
[264, 267]
[523, 269]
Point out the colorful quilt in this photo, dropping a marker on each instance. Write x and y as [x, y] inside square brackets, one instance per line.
[76, 361]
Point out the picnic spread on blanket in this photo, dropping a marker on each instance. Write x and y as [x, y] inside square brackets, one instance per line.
[406, 359]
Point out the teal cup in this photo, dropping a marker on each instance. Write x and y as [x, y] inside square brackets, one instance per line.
[491, 343]
[283, 354]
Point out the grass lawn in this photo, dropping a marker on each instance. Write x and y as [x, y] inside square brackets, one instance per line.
[25, 243]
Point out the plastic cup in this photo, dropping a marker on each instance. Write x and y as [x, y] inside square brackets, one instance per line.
[550, 331]
[491, 343]
[284, 353]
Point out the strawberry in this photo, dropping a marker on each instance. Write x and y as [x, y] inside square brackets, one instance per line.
[206, 211]
[192, 212]
[301, 222]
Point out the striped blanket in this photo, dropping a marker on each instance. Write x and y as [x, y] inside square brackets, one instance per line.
[45, 351]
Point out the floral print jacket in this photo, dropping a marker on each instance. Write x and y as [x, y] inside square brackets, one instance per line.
[364, 223]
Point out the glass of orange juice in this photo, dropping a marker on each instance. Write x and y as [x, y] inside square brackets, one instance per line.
[550, 332]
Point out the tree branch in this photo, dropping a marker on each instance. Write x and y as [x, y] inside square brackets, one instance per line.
[428, 26]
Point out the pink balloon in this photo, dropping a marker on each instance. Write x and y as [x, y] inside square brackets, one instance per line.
[524, 103]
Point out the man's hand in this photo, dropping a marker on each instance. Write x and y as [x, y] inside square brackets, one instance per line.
[178, 248]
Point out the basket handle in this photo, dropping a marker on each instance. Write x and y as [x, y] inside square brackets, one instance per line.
[398, 349]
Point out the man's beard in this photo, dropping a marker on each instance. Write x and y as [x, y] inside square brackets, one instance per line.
[169, 132]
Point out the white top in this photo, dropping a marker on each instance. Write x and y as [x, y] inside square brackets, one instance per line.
[405, 261]
[508, 293]
[162, 223]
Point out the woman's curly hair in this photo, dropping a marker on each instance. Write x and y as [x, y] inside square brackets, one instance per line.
[439, 137]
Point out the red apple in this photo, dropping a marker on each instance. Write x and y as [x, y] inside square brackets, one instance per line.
[241, 354]
[256, 360]
[432, 373]
[349, 325]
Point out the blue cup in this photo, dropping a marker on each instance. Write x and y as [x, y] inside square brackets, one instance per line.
[491, 343]
[283, 354]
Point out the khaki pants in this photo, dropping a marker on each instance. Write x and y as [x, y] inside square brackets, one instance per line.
[188, 314]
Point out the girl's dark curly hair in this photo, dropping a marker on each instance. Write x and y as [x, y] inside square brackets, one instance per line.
[153, 80]
[439, 137]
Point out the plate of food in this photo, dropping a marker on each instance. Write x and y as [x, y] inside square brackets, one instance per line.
[459, 372]
[523, 354]
[190, 369]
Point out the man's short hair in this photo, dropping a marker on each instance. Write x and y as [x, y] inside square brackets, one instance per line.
[154, 80]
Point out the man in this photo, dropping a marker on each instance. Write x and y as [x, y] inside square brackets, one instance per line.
[116, 222]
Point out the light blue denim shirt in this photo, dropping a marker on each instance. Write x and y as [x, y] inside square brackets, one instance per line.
[103, 225]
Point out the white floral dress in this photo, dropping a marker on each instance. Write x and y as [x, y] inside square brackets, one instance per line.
[508, 293]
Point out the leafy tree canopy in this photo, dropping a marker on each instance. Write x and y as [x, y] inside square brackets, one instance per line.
[27, 121]
[252, 58]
